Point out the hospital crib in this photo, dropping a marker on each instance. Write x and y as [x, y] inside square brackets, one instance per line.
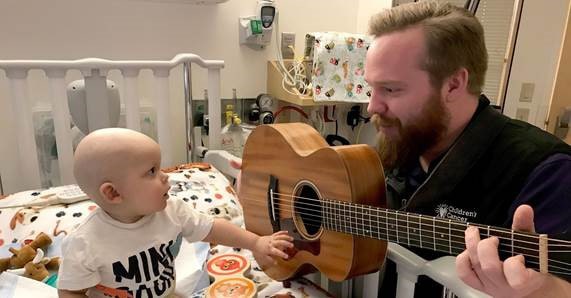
[21, 170]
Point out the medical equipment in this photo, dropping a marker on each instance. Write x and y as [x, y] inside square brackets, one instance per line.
[78, 105]
[265, 103]
[267, 10]
[255, 31]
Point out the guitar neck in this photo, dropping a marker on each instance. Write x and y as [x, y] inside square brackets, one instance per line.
[437, 234]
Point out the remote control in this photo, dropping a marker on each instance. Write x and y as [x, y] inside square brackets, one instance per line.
[71, 193]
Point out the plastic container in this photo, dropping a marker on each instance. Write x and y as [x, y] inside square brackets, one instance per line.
[233, 137]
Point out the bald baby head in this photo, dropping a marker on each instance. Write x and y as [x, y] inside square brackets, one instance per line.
[106, 155]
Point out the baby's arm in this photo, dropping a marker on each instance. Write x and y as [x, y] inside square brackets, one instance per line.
[225, 233]
[71, 294]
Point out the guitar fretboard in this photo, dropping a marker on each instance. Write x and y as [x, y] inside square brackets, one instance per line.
[437, 234]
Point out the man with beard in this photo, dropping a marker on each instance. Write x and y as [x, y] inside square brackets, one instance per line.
[448, 153]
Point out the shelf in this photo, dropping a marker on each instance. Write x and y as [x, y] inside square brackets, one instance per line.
[275, 89]
[196, 2]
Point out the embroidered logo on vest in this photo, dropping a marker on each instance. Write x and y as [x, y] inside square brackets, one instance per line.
[451, 212]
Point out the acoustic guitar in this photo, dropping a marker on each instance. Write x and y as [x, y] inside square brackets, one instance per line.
[332, 201]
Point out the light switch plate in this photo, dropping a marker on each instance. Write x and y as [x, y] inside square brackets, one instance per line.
[288, 39]
[526, 93]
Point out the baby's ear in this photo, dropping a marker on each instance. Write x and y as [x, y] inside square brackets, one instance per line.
[109, 193]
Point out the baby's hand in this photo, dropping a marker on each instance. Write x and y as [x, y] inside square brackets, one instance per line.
[273, 245]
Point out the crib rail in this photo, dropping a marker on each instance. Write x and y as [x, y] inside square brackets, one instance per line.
[26, 173]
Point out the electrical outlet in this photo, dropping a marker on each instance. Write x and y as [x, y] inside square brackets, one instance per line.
[288, 39]
[522, 114]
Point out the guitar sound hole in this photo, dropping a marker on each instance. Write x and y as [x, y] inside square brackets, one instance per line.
[308, 210]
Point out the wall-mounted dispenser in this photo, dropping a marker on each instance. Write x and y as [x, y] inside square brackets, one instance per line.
[256, 30]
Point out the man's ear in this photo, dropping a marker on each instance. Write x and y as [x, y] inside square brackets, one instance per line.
[109, 193]
[456, 85]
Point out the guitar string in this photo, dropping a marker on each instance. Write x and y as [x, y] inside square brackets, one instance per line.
[420, 222]
[462, 247]
[428, 244]
[399, 223]
[340, 203]
[394, 222]
[491, 228]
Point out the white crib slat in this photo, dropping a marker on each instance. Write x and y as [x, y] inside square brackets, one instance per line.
[214, 121]
[28, 154]
[371, 285]
[131, 99]
[61, 116]
[24, 173]
[161, 102]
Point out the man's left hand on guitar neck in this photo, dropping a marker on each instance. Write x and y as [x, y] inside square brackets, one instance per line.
[480, 267]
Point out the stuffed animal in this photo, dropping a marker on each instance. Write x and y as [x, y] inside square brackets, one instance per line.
[29, 261]
[4, 264]
[25, 254]
[38, 268]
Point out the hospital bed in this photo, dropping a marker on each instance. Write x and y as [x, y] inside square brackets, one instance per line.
[22, 170]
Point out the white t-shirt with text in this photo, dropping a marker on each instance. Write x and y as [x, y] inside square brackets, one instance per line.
[122, 260]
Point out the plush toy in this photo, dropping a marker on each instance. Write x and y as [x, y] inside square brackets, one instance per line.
[39, 268]
[25, 254]
[4, 264]
[29, 261]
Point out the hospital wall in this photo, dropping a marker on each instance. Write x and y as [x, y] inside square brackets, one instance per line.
[536, 58]
[154, 29]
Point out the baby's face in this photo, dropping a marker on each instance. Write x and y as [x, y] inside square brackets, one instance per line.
[144, 187]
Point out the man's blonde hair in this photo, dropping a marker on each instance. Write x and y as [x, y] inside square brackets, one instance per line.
[454, 39]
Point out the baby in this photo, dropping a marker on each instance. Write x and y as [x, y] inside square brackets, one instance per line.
[126, 248]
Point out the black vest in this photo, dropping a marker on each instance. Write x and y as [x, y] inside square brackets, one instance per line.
[483, 171]
[476, 180]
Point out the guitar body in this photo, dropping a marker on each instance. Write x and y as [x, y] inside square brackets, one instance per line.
[307, 171]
